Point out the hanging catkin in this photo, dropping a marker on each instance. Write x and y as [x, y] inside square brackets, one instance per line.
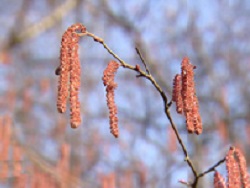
[70, 74]
[108, 81]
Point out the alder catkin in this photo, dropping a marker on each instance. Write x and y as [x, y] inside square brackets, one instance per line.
[245, 178]
[233, 171]
[189, 98]
[108, 81]
[17, 157]
[75, 81]
[176, 96]
[63, 163]
[5, 145]
[196, 116]
[189, 122]
[187, 91]
[219, 181]
[69, 73]
[64, 74]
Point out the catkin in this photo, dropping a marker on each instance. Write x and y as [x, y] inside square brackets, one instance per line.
[187, 91]
[245, 178]
[184, 95]
[189, 98]
[232, 170]
[219, 181]
[70, 74]
[237, 174]
[64, 74]
[176, 96]
[108, 81]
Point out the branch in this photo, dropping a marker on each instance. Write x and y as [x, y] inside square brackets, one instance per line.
[48, 21]
[125, 65]
[156, 85]
[122, 21]
[142, 60]
[211, 169]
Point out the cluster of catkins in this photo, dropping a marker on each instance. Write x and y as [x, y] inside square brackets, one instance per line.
[69, 73]
[237, 171]
[108, 81]
[185, 97]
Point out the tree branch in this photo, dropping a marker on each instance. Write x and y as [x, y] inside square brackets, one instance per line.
[47, 21]
[159, 89]
[211, 169]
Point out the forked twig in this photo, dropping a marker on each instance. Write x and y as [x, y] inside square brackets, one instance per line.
[211, 169]
[142, 60]
[166, 104]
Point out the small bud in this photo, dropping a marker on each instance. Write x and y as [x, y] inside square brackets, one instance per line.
[58, 71]
[137, 67]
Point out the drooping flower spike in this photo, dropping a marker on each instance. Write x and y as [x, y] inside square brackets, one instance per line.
[184, 95]
[108, 81]
[69, 73]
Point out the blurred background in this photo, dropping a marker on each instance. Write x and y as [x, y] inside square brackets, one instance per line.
[38, 147]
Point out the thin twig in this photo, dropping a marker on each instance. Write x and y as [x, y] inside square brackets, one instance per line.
[142, 60]
[187, 159]
[211, 169]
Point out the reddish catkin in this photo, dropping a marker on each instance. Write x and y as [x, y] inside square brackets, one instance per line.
[219, 181]
[233, 171]
[63, 74]
[108, 181]
[5, 145]
[176, 96]
[245, 179]
[69, 73]
[17, 157]
[75, 81]
[172, 141]
[189, 98]
[196, 116]
[108, 81]
[63, 163]
[187, 91]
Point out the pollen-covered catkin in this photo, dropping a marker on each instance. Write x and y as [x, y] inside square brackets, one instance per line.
[75, 79]
[245, 178]
[108, 81]
[196, 116]
[176, 96]
[189, 98]
[219, 181]
[238, 175]
[64, 74]
[187, 91]
[232, 170]
[70, 73]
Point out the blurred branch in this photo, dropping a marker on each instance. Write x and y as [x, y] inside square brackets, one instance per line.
[46, 23]
[43, 164]
[47, 168]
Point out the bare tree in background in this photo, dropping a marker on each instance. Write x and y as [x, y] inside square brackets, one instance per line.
[215, 37]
